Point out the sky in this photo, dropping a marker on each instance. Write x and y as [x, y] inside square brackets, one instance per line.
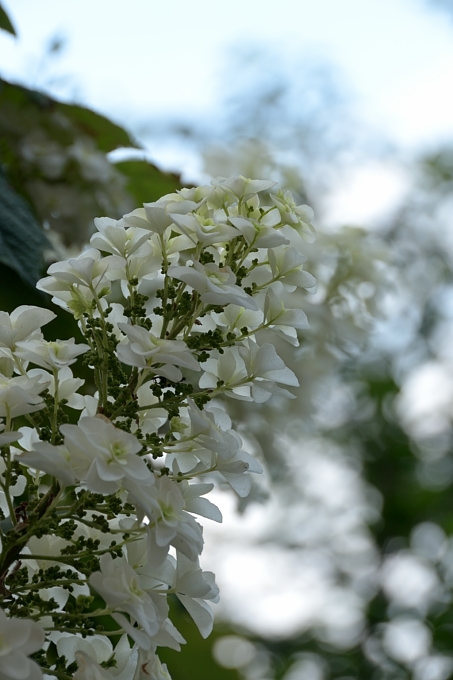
[154, 60]
[162, 58]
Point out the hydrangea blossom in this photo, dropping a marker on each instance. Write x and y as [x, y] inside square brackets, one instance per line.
[178, 303]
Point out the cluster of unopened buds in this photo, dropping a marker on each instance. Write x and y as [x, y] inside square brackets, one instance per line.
[98, 491]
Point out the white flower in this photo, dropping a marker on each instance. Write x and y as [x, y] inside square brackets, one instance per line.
[18, 639]
[229, 368]
[108, 454]
[235, 317]
[22, 323]
[193, 586]
[169, 523]
[204, 229]
[149, 667]
[283, 321]
[209, 429]
[96, 453]
[88, 669]
[114, 238]
[150, 420]
[145, 349]
[216, 286]
[297, 216]
[196, 194]
[88, 269]
[121, 589]
[249, 373]
[8, 437]
[200, 506]
[264, 368]
[168, 509]
[235, 472]
[67, 386]
[153, 216]
[92, 651]
[241, 187]
[171, 243]
[142, 265]
[56, 461]
[20, 395]
[74, 283]
[286, 265]
[51, 355]
[261, 235]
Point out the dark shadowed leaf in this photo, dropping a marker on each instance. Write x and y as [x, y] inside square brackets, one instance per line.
[22, 241]
[5, 22]
[108, 135]
[147, 183]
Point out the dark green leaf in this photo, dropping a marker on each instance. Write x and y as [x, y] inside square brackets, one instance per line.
[108, 135]
[147, 183]
[22, 241]
[5, 22]
[67, 121]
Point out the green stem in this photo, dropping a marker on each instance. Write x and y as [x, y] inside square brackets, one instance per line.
[55, 407]
[166, 317]
[77, 631]
[58, 674]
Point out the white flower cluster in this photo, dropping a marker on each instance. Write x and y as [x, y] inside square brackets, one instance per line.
[98, 492]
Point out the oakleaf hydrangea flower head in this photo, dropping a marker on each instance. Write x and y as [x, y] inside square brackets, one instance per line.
[179, 303]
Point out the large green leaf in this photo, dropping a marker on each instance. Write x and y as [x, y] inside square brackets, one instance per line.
[5, 22]
[65, 121]
[147, 183]
[22, 241]
[108, 135]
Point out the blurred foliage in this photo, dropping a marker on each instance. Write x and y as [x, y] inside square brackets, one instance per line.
[145, 182]
[398, 282]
